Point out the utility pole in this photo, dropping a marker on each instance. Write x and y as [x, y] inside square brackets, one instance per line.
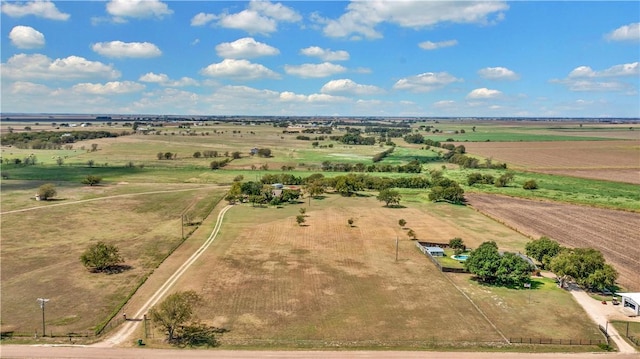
[42, 301]
[396, 248]
[182, 225]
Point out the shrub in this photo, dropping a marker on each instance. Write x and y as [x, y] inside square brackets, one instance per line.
[530, 184]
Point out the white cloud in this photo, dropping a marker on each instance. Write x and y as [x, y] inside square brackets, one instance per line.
[498, 73]
[580, 85]
[629, 32]
[38, 66]
[140, 9]
[154, 78]
[28, 88]
[239, 70]
[630, 69]
[444, 104]
[245, 48]
[362, 17]
[428, 45]
[119, 49]
[325, 54]
[425, 82]
[249, 21]
[261, 17]
[349, 87]
[164, 80]
[109, 88]
[45, 9]
[26, 37]
[483, 94]
[314, 70]
[202, 19]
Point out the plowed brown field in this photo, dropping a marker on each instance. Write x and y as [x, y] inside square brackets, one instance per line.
[614, 233]
[606, 160]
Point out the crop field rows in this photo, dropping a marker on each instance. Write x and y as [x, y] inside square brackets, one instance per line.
[614, 233]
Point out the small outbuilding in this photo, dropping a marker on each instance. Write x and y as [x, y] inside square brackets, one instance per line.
[631, 301]
[435, 251]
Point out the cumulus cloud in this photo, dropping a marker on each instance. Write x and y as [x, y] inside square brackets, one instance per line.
[202, 19]
[26, 37]
[139, 9]
[325, 54]
[314, 70]
[483, 94]
[428, 45]
[109, 88]
[586, 79]
[28, 88]
[630, 69]
[349, 87]
[629, 32]
[246, 48]
[498, 73]
[119, 49]
[45, 9]
[362, 17]
[261, 17]
[239, 70]
[425, 82]
[164, 80]
[38, 66]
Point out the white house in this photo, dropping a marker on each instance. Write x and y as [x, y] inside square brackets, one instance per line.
[631, 301]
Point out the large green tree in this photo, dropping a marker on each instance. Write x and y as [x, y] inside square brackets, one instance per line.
[92, 180]
[543, 250]
[484, 261]
[101, 257]
[47, 191]
[174, 312]
[586, 266]
[513, 270]
[389, 196]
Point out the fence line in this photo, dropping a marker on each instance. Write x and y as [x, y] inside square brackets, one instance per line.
[423, 248]
[557, 341]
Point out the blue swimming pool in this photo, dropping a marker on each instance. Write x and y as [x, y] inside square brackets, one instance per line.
[460, 257]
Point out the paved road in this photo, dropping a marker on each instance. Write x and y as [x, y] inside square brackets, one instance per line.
[47, 352]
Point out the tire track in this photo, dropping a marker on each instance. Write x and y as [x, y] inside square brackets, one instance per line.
[130, 326]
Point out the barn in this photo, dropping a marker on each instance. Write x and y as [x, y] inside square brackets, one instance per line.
[631, 301]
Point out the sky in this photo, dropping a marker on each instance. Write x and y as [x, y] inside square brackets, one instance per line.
[322, 58]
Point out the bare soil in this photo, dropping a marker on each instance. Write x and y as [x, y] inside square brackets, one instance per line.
[606, 160]
[614, 233]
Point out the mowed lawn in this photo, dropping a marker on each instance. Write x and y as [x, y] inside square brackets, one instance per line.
[268, 279]
[41, 248]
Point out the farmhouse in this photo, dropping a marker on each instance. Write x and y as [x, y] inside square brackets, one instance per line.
[631, 301]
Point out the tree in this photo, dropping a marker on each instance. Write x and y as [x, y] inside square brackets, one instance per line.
[602, 279]
[402, 223]
[580, 264]
[90, 163]
[101, 257]
[350, 221]
[198, 334]
[47, 191]
[513, 270]
[389, 196]
[264, 152]
[530, 184]
[92, 180]
[300, 219]
[484, 261]
[542, 250]
[457, 244]
[59, 161]
[197, 154]
[175, 311]
[504, 180]
[302, 210]
[412, 234]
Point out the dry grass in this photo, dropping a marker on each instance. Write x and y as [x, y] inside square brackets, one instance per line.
[41, 250]
[267, 278]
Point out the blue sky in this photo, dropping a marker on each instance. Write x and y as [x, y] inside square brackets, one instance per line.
[373, 58]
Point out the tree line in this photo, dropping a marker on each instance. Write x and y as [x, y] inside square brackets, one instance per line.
[53, 139]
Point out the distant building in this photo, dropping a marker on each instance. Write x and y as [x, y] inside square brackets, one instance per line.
[435, 251]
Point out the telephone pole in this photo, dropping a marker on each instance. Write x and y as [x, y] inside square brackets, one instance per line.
[42, 302]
